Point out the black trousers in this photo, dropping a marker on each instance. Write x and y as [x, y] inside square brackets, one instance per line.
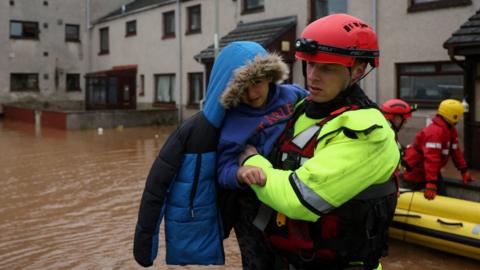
[255, 251]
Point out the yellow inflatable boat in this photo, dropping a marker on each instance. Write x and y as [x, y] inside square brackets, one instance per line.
[448, 224]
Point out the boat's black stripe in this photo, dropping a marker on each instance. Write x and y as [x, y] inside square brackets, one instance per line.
[437, 234]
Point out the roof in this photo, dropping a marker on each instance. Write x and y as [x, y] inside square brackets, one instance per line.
[467, 38]
[133, 7]
[263, 32]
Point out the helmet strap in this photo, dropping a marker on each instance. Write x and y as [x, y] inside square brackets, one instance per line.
[304, 68]
[397, 129]
[361, 78]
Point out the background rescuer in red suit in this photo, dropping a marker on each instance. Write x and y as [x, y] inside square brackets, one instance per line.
[431, 150]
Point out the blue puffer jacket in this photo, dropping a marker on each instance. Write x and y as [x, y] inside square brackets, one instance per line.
[181, 185]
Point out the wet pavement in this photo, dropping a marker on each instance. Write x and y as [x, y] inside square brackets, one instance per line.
[70, 201]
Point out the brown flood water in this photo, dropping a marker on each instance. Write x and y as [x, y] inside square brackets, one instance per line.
[70, 201]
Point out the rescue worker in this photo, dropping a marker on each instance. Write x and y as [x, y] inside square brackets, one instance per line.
[433, 145]
[331, 172]
[397, 113]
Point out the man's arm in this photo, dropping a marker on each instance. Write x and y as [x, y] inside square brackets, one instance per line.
[336, 173]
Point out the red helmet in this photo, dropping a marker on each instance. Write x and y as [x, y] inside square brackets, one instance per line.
[397, 107]
[338, 39]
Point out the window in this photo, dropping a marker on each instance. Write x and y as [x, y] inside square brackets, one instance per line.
[164, 88]
[73, 82]
[72, 32]
[131, 28]
[169, 24]
[104, 46]
[422, 5]
[195, 82]
[251, 6]
[322, 8]
[142, 86]
[24, 30]
[429, 83]
[194, 19]
[20, 82]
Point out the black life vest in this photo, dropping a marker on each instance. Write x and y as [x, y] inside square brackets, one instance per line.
[355, 231]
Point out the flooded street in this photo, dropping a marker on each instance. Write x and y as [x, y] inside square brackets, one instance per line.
[70, 201]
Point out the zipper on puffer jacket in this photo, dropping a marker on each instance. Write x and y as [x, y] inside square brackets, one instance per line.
[196, 178]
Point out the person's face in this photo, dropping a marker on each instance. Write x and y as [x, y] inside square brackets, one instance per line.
[256, 95]
[326, 81]
[397, 121]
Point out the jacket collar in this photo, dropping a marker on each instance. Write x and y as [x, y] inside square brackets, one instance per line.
[438, 119]
[353, 95]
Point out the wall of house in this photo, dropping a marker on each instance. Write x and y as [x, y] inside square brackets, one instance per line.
[152, 54]
[161, 55]
[414, 37]
[50, 55]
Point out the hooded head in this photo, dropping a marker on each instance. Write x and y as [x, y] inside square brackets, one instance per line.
[270, 67]
[238, 66]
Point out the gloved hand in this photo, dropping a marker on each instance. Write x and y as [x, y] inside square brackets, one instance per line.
[430, 191]
[467, 177]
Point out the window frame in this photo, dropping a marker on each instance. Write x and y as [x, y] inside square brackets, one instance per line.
[67, 39]
[313, 6]
[35, 89]
[423, 103]
[247, 10]
[78, 87]
[191, 102]
[172, 90]
[329, 6]
[167, 15]
[439, 4]
[130, 33]
[190, 11]
[36, 35]
[103, 50]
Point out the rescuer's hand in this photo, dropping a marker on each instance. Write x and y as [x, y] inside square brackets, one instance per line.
[251, 175]
[430, 191]
[467, 177]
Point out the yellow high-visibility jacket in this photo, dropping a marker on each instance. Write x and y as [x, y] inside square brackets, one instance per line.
[342, 166]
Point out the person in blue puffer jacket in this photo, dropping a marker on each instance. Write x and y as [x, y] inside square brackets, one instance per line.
[258, 109]
[181, 187]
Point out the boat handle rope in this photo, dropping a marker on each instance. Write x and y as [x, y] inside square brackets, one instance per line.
[450, 223]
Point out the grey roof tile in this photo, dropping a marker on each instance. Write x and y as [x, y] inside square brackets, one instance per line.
[263, 32]
[468, 34]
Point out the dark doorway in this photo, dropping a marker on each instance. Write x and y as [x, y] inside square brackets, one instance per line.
[472, 118]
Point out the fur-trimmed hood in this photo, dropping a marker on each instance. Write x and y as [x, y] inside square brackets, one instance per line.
[270, 66]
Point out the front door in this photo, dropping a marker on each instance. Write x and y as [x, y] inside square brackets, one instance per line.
[126, 90]
[475, 118]
[472, 117]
